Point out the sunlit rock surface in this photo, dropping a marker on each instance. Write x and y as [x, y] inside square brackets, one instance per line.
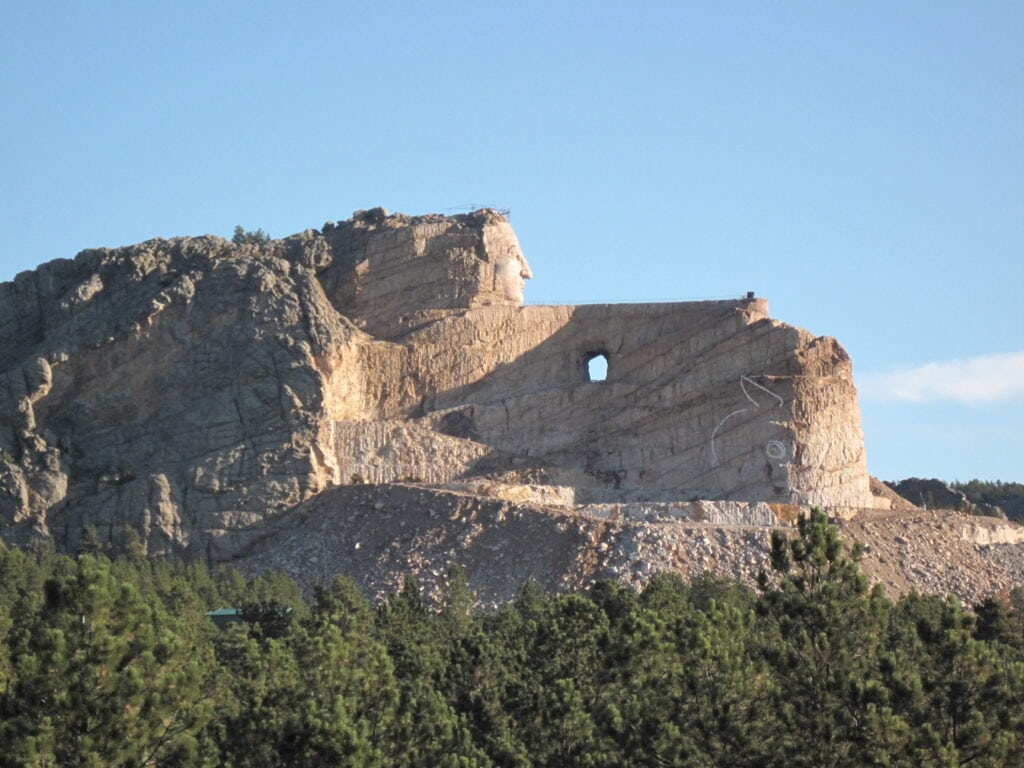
[204, 394]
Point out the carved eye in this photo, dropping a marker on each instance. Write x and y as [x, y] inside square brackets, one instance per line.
[775, 450]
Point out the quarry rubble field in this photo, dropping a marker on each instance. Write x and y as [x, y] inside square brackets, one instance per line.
[379, 534]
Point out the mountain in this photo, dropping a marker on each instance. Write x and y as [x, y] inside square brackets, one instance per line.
[378, 387]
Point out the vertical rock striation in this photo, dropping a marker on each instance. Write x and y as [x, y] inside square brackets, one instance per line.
[193, 389]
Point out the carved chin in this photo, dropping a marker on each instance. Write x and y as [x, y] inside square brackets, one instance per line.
[514, 290]
[510, 288]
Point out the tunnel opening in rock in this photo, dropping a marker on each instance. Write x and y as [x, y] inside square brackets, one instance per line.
[597, 366]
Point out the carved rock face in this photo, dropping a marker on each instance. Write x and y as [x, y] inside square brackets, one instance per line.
[197, 390]
[389, 273]
[508, 263]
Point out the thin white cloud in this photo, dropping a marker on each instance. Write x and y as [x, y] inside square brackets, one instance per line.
[976, 380]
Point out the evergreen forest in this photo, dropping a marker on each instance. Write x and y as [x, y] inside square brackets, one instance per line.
[1007, 496]
[116, 663]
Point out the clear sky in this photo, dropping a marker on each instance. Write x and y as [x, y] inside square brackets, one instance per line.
[861, 164]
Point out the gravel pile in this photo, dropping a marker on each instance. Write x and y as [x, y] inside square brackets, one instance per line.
[379, 534]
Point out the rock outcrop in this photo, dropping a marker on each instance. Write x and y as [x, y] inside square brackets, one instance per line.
[242, 401]
[931, 494]
[193, 389]
[935, 494]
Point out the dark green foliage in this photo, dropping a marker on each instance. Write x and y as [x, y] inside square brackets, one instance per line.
[101, 676]
[960, 695]
[1007, 496]
[249, 237]
[90, 543]
[115, 663]
[131, 546]
[821, 640]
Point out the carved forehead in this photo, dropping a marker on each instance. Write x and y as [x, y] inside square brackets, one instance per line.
[500, 242]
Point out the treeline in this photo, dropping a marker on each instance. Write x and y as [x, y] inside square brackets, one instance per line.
[1007, 496]
[115, 663]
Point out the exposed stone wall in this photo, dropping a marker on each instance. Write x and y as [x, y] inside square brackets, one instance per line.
[182, 395]
[702, 400]
[195, 390]
[390, 273]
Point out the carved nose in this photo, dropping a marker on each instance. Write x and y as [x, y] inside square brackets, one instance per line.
[525, 273]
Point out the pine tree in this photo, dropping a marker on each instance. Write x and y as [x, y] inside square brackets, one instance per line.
[90, 543]
[822, 637]
[102, 676]
[963, 697]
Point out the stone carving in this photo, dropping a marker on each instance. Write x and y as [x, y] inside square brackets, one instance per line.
[196, 390]
[510, 267]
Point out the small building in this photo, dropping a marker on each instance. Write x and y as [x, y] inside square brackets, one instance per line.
[222, 617]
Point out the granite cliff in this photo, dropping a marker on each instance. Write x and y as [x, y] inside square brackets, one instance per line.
[210, 396]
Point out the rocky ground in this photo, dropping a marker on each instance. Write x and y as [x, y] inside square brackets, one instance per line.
[378, 534]
[940, 552]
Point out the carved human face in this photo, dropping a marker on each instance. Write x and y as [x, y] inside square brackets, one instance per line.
[510, 267]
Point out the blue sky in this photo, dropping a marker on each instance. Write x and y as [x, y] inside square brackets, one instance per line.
[859, 164]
